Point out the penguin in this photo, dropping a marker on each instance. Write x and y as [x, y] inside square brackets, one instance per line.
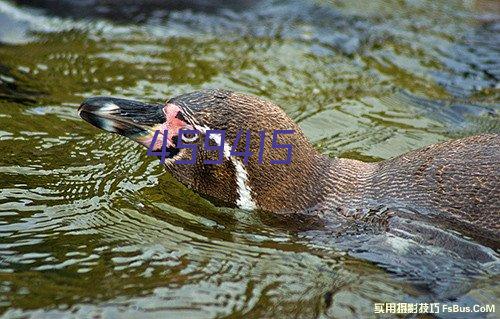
[454, 184]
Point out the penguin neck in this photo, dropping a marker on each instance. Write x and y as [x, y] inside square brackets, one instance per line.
[311, 181]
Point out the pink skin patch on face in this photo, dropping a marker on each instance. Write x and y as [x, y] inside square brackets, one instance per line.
[172, 125]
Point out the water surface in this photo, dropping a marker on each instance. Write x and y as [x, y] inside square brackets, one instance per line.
[91, 226]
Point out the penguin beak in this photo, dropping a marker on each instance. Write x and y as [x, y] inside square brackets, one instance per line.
[135, 120]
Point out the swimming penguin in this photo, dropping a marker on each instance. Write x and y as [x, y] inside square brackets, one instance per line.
[455, 183]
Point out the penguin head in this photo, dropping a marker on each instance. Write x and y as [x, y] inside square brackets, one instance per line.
[232, 148]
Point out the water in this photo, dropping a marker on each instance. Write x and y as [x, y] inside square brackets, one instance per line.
[91, 226]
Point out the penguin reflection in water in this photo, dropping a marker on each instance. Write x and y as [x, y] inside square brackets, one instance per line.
[436, 196]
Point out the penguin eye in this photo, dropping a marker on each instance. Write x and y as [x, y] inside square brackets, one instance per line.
[189, 137]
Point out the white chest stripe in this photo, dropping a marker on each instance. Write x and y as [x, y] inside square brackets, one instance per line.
[245, 200]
